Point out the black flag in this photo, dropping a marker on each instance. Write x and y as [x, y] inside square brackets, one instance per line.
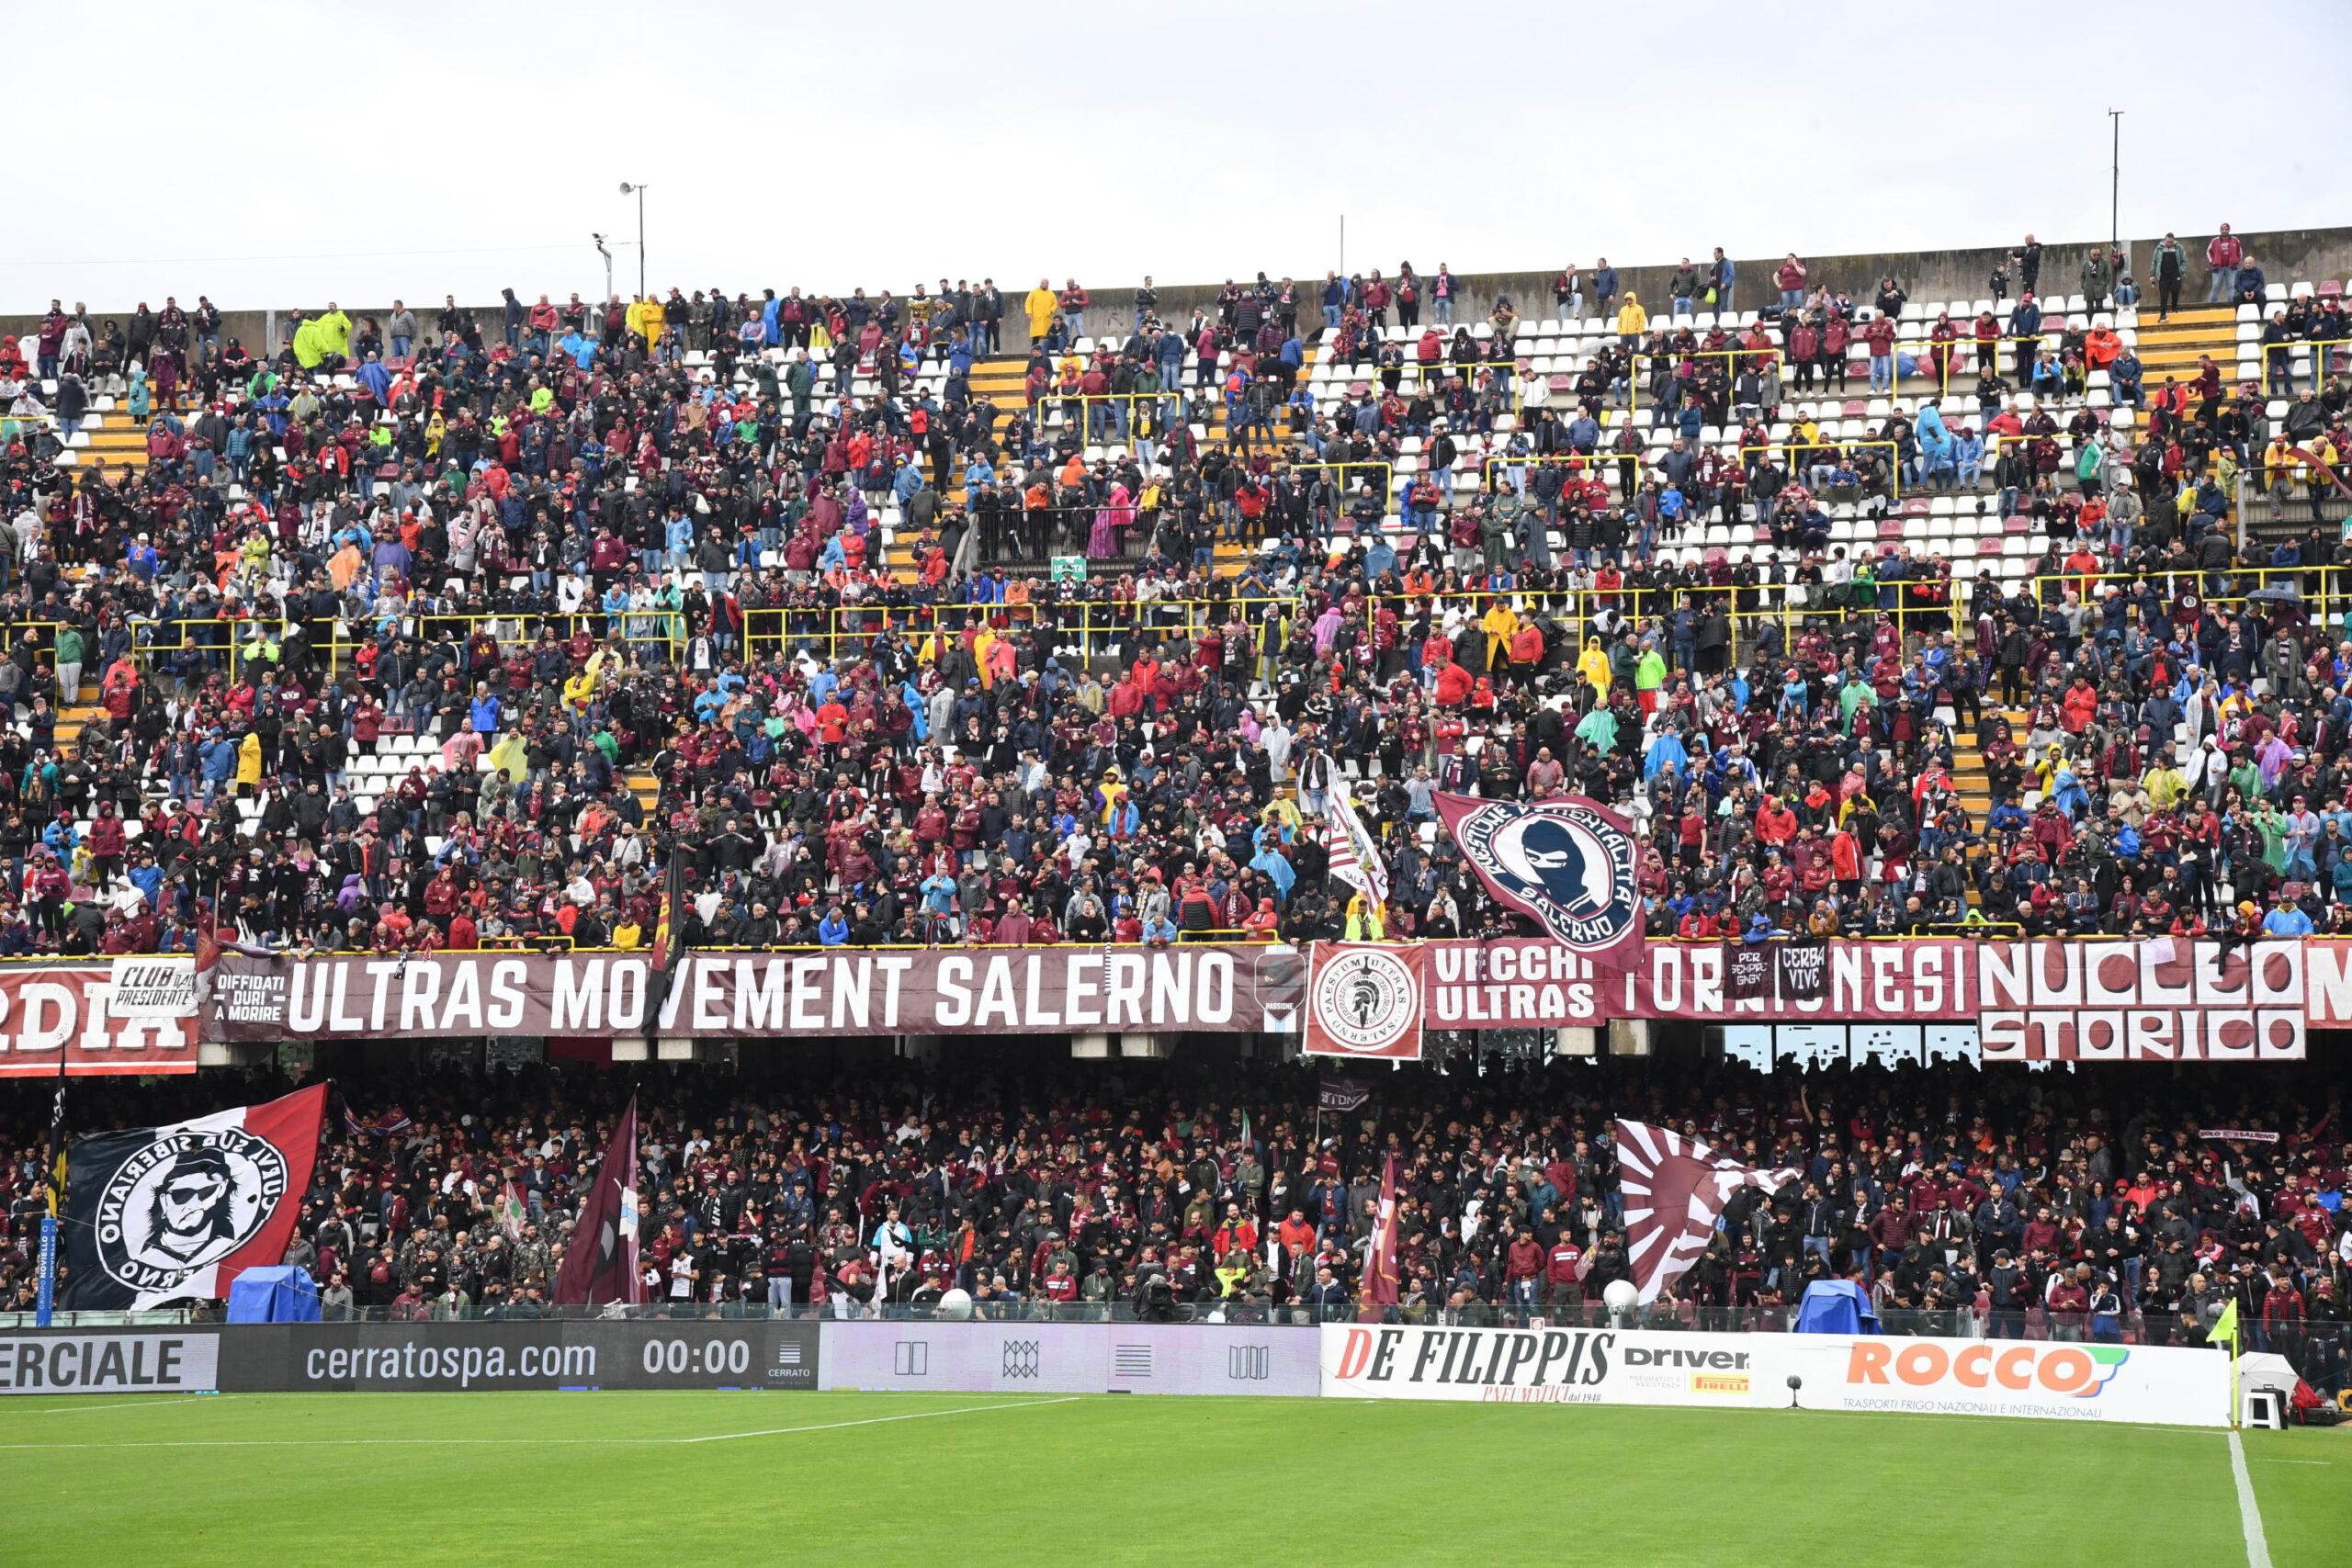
[1748, 972]
[1804, 970]
[600, 1261]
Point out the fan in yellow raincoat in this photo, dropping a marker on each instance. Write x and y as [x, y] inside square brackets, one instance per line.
[323, 335]
[1039, 305]
[1593, 665]
[510, 757]
[645, 319]
[1500, 623]
[581, 689]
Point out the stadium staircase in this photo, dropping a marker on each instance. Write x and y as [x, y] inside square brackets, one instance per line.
[2171, 348]
[72, 721]
[112, 436]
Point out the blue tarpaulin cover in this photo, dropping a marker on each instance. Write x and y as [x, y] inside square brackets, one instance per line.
[1835, 1306]
[274, 1295]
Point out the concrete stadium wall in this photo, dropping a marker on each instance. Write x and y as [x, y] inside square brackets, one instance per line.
[2285, 254]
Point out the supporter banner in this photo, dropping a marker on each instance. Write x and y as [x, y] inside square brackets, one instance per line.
[161, 986]
[1363, 999]
[368, 1358]
[1071, 1357]
[1567, 863]
[170, 1214]
[2327, 983]
[1234, 989]
[1524, 983]
[1599, 1366]
[2164, 1001]
[1340, 1095]
[70, 1007]
[2029, 1000]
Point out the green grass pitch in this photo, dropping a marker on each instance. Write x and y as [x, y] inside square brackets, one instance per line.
[709, 1479]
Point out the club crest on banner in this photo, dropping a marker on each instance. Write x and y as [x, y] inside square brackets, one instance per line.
[184, 1202]
[1365, 1000]
[1567, 862]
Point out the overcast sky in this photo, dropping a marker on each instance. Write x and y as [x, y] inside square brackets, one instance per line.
[324, 151]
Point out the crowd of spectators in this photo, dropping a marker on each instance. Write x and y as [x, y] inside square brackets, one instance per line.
[2093, 1206]
[567, 546]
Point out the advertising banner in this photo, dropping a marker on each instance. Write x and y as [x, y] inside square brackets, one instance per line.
[1547, 1366]
[1071, 1357]
[1599, 1366]
[1236, 988]
[175, 1360]
[69, 1008]
[2008, 1377]
[549, 1353]
[366, 1358]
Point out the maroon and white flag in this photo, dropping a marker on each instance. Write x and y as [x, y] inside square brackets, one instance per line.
[1380, 1272]
[1675, 1188]
[600, 1260]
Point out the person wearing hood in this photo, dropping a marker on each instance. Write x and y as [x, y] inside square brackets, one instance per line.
[1593, 665]
[1039, 306]
[1632, 320]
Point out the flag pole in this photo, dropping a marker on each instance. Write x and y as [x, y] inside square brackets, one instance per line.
[45, 1296]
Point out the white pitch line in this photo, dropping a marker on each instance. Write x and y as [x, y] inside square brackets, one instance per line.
[148, 1404]
[880, 1420]
[2257, 1549]
[535, 1441]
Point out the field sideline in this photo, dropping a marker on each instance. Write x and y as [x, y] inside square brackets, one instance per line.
[742, 1478]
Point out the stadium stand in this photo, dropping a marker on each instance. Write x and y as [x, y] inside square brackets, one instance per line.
[1880, 616]
[2097, 1209]
[1977, 645]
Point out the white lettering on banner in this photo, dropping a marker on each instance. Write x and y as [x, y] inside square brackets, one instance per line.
[1079, 977]
[576, 1001]
[1587, 1366]
[1123, 991]
[49, 1012]
[420, 995]
[761, 991]
[2089, 1001]
[2327, 984]
[954, 986]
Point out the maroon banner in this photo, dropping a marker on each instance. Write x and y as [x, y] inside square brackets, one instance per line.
[1363, 999]
[1224, 989]
[1527, 983]
[1567, 863]
[70, 1007]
